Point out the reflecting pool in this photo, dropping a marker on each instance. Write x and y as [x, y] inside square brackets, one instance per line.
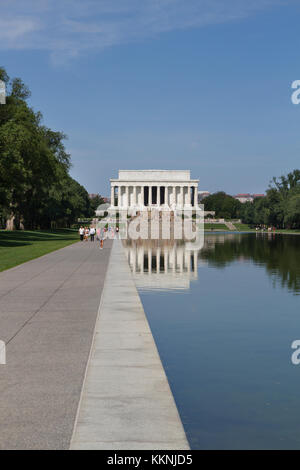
[224, 319]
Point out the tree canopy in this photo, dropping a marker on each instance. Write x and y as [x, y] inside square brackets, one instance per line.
[35, 185]
[281, 205]
[225, 206]
[96, 201]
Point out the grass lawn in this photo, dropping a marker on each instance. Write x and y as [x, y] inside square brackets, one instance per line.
[17, 247]
[286, 230]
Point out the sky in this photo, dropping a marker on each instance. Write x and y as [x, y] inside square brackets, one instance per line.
[203, 85]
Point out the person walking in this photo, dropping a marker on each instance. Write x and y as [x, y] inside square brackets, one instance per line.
[92, 233]
[101, 236]
[86, 234]
[81, 233]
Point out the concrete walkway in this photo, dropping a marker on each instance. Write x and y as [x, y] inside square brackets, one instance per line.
[126, 401]
[48, 309]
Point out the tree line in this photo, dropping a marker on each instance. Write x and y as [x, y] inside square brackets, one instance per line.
[36, 189]
[279, 208]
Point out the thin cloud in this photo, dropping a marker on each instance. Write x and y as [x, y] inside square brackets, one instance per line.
[14, 29]
[69, 28]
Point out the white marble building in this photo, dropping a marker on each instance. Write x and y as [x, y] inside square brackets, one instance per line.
[136, 190]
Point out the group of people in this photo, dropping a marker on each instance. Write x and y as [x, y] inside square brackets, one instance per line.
[264, 228]
[86, 232]
[101, 234]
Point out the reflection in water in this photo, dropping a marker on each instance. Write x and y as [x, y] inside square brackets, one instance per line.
[161, 264]
[226, 343]
[279, 254]
[167, 264]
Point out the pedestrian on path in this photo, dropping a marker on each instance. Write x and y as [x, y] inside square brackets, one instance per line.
[101, 237]
[81, 233]
[92, 233]
[86, 234]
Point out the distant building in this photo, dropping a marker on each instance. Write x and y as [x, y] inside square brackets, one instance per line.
[247, 197]
[244, 197]
[202, 195]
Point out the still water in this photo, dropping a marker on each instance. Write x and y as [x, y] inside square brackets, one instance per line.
[223, 319]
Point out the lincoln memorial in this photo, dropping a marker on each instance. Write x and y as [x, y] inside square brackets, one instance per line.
[136, 190]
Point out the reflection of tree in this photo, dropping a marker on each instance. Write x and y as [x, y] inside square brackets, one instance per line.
[279, 254]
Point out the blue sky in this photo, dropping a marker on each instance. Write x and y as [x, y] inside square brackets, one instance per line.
[185, 84]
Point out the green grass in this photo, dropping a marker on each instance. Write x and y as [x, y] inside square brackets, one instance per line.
[287, 230]
[215, 227]
[17, 247]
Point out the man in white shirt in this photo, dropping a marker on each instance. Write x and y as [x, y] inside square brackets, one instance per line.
[81, 233]
[92, 233]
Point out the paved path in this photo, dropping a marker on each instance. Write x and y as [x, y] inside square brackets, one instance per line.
[48, 309]
[126, 401]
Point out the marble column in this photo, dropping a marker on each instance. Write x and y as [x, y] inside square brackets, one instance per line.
[134, 195]
[181, 196]
[127, 196]
[112, 195]
[158, 196]
[195, 196]
[142, 196]
[119, 196]
[149, 196]
[188, 199]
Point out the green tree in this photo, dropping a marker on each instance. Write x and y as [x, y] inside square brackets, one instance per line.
[95, 202]
[224, 205]
[292, 211]
[35, 185]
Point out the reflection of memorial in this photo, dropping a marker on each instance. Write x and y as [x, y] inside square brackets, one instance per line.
[167, 264]
[161, 264]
